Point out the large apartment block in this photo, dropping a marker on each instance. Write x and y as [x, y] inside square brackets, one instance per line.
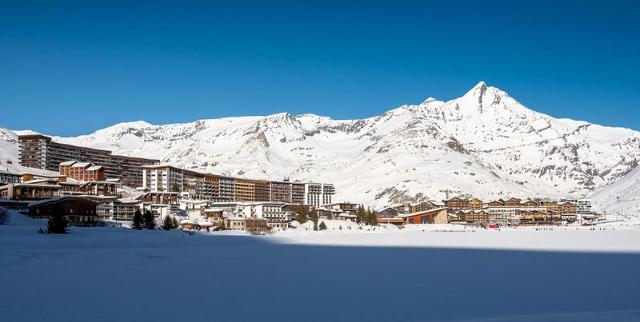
[318, 194]
[205, 186]
[40, 151]
[162, 178]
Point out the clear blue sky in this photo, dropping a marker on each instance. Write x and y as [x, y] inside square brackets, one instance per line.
[69, 68]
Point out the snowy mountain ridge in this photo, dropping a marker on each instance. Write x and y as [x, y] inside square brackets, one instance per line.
[484, 143]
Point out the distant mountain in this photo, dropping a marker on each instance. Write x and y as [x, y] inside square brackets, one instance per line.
[484, 143]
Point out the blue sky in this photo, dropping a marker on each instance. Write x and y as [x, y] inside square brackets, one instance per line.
[69, 68]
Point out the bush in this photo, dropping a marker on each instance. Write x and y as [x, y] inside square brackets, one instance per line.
[322, 226]
[57, 224]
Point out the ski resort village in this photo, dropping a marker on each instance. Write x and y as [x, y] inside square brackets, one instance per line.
[92, 187]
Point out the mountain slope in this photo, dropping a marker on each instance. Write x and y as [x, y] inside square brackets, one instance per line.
[484, 143]
[622, 198]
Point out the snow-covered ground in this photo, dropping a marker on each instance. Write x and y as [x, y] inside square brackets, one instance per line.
[117, 274]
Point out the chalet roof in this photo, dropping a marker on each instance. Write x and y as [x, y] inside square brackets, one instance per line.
[81, 165]
[346, 214]
[469, 211]
[390, 220]
[37, 184]
[68, 163]
[98, 182]
[56, 200]
[9, 172]
[128, 201]
[95, 168]
[421, 213]
[213, 209]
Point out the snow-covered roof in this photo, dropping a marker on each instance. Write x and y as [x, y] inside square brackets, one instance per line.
[9, 172]
[419, 213]
[67, 163]
[94, 168]
[213, 209]
[81, 165]
[54, 200]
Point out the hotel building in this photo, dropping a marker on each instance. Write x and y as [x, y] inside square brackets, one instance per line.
[39, 151]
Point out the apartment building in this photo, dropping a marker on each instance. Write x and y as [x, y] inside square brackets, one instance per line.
[83, 171]
[456, 203]
[280, 191]
[263, 190]
[297, 193]
[245, 190]
[39, 151]
[203, 186]
[160, 178]
[318, 194]
[227, 188]
[273, 212]
[582, 208]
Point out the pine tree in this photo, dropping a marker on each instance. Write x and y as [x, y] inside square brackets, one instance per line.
[372, 218]
[174, 223]
[361, 214]
[137, 220]
[167, 223]
[57, 224]
[322, 226]
[313, 216]
[302, 214]
[149, 220]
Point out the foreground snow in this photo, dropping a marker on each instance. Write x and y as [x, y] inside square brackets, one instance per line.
[107, 274]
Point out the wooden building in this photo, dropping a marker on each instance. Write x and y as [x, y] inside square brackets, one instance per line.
[433, 216]
[78, 211]
[456, 203]
[475, 204]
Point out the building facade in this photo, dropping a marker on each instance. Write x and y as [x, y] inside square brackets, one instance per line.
[7, 177]
[83, 171]
[39, 151]
[318, 194]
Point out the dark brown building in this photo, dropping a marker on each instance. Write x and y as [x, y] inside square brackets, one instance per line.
[78, 211]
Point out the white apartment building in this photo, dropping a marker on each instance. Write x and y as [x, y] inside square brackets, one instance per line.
[273, 212]
[583, 208]
[162, 178]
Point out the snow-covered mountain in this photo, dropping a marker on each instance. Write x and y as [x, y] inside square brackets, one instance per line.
[484, 143]
[622, 198]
